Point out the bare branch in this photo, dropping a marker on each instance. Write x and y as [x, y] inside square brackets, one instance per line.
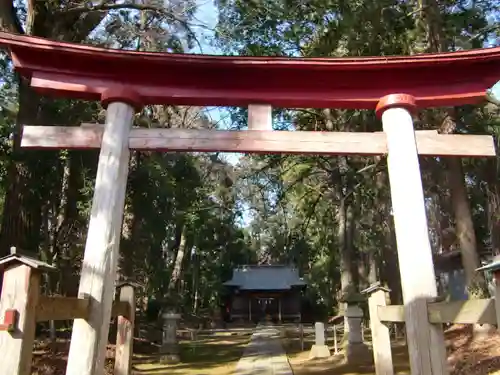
[104, 7]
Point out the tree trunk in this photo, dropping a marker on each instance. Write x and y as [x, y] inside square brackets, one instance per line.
[350, 250]
[22, 216]
[132, 222]
[18, 219]
[371, 267]
[196, 278]
[493, 188]
[465, 232]
[346, 277]
[177, 268]
[70, 228]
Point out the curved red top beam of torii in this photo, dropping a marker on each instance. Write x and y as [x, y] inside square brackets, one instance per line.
[85, 72]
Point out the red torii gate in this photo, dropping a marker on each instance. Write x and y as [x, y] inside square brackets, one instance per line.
[125, 81]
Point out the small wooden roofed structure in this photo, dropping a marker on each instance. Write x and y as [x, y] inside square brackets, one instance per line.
[258, 290]
[29, 260]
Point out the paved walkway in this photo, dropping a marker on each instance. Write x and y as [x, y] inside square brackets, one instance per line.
[264, 355]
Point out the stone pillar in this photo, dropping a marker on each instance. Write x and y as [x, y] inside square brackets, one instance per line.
[319, 349]
[170, 348]
[356, 350]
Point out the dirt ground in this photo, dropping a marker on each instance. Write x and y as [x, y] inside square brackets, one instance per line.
[218, 355]
[208, 355]
[466, 356]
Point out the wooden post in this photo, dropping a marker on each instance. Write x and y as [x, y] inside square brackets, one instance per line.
[381, 339]
[260, 117]
[425, 340]
[494, 268]
[335, 345]
[125, 332]
[18, 301]
[90, 336]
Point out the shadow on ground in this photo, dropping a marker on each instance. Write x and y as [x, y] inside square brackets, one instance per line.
[335, 365]
[205, 356]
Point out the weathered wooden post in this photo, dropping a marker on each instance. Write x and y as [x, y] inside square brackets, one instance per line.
[335, 344]
[18, 301]
[426, 344]
[319, 349]
[381, 339]
[260, 117]
[170, 348]
[125, 331]
[494, 268]
[97, 280]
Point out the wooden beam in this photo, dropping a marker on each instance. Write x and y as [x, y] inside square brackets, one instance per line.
[90, 336]
[426, 345]
[479, 311]
[69, 308]
[391, 313]
[62, 308]
[429, 143]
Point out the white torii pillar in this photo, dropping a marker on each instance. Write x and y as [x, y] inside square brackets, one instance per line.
[90, 336]
[426, 344]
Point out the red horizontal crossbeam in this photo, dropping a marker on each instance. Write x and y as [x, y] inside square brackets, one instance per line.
[85, 72]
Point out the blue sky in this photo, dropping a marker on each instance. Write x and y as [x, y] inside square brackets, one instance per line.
[207, 15]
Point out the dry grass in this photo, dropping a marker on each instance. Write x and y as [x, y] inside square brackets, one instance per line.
[334, 365]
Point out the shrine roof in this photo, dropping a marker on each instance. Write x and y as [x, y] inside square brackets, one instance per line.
[84, 72]
[26, 258]
[265, 277]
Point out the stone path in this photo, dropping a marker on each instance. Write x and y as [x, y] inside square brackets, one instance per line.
[264, 355]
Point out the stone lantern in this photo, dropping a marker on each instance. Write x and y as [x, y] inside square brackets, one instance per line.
[354, 348]
[170, 347]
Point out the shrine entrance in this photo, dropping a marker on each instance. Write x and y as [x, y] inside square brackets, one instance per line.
[125, 81]
[269, 308]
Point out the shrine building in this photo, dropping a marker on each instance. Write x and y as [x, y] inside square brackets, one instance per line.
[265, 292]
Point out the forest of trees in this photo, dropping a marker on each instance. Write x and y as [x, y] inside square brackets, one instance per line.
[190, 218]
